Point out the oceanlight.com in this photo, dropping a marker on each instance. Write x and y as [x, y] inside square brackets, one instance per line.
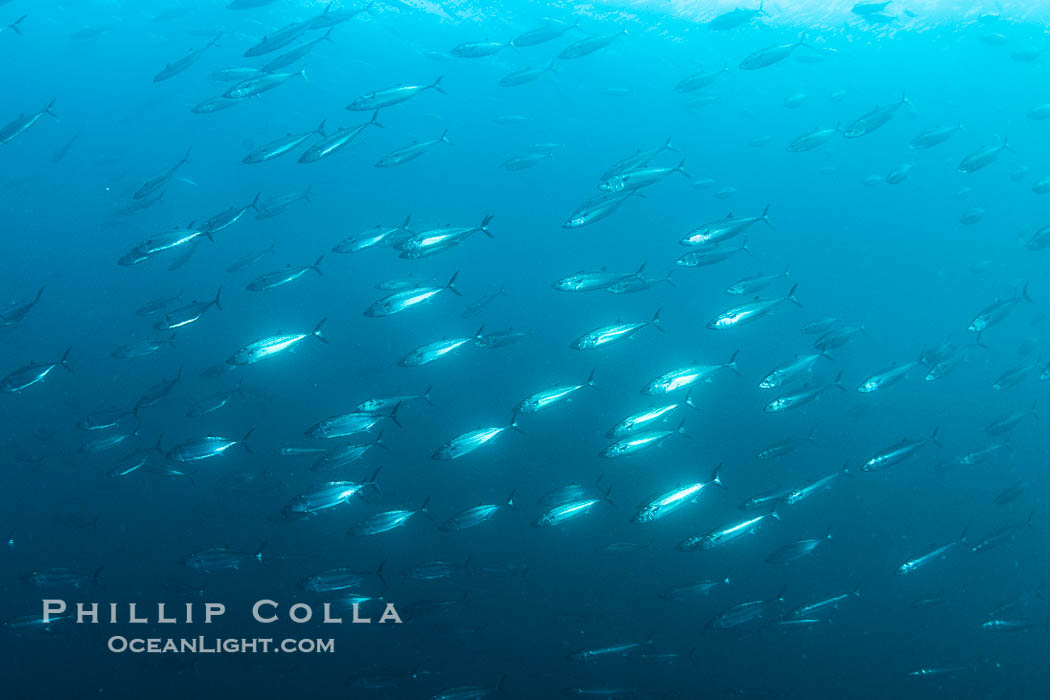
[219, 645]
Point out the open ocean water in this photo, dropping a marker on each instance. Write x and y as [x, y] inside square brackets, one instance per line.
[603, 350]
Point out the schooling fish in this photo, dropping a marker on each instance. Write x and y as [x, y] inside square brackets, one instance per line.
[610, 334]
[273, 345]
[385, 98]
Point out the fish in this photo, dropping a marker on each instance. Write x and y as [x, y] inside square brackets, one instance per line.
[698, 81]
[888, 377]
[222, 559]
[638, 422]
[61, 577]
[282, 37]
[593, 281]
[711, 255]
[403, 155]
[722, 230]
[725, 534]
[802, 397]
[936, 554]
[814, 139]
[33, 373]
[687, 376]
[663, 505]
[153, 185]
[769, 56]
[1006, 423]
[549, 397]
[598, 208]
[283, 276]
[339, 579]
[895, 454]
[483, 303]
[406, 299]
[20, 124]
[982, 157]
[526, 75]
[468, 442]
[289, 57]
[250, 259]
[141, 348]
[472, 517]
[789, 372]
[876, 118]
[376, 236]
[346, 454]
[156, 393]
[173, 69]
[997, 311]
[327, 495]
[641, 177]
[337, 141]
[346, 424]
[640, 441]
[796, 550]
[281, 146]
[735, 18]
[425, 354]
[933, 137]
[15, 313]
[588, 45]
[253, 87]
[745, 614]
[477, 49]
[215, 402]
[823, 607]
[223, 220]
[690, 591]
[274, 345]
[570, 510]
[280, 203]
[803, 492]
[388, 520]
[434, 241]
[379, 99]
[605, 335]
[752, 311]
[549, 30]
[190, 313]
[196, 449]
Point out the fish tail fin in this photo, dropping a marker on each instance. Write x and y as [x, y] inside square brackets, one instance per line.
[845, 470]
[425, 508]
[838, 382]
[426, 395]
[681, 429]
[244, 440]
[407, 220]
[514, 423]
[590, 379]
[744, 247]
[218, 298]
[606, 497]
[485, 226]
[255, 202]
[316, 332]
[480, 331]
[510, 500]
[656, 320]
[689, 400]
[257, 555]
[933, 437]
[378, 442]
[47, 108]
[1024, 293]
[316, 267]
[375, 119]
[320, 128]
[715, 477]
[65, 359]
[302, 72]
[436, 85]
[373, 481]
[451, 286]
[681, 168]
[668, 146]
[732, 362]
[328, 35]
[765, 218]
[393, 415]
[791, 296]
[444, 137]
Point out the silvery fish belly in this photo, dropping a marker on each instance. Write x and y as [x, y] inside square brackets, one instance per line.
[344, 425]
[323, 497]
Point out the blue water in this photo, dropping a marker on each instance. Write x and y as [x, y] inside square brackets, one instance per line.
[894, 258]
